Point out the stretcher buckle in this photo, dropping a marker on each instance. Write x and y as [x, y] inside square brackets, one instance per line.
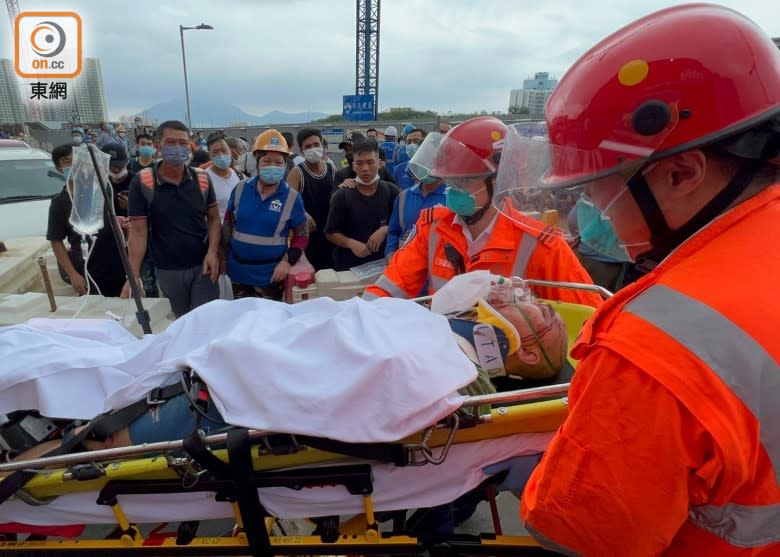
[154, 397]
[421, 454]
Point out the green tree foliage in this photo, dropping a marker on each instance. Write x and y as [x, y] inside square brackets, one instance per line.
[519, 110]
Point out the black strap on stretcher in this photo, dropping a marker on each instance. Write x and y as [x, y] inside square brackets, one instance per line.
[394, 453]
[247, 499]
[99, 428]
[18, 479]
[106, 424]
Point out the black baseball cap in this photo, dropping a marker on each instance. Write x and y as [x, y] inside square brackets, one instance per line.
[118, 153]
[353, 138]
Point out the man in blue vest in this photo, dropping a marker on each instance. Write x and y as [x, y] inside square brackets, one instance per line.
[427, 192]
[402, 177]
[399, 153]
[388, 147]
[261, 213]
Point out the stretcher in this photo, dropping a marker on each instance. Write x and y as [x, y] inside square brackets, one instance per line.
[257, 477]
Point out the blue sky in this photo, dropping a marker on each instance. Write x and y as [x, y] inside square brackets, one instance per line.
[299, 55]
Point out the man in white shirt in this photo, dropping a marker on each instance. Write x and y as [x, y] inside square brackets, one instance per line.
[224, 178]
[222, 174]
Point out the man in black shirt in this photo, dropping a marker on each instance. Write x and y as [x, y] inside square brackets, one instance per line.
[145, 148]
[358, 218]
[348, 173]
[105, 265]
[180, 205]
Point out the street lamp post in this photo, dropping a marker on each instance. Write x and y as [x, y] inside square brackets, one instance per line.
[182, 29]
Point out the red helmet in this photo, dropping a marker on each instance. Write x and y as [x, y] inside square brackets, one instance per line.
[674, 80]
[470, 150]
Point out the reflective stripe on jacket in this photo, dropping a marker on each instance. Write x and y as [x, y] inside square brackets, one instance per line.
[700, 332]
[520, 246]
[260, 231]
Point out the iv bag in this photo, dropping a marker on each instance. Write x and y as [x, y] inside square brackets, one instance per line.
[86, 215]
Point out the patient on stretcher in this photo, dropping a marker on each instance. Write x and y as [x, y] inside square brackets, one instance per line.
[502, 334]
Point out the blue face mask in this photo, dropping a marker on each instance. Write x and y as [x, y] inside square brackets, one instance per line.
[66, 172]
[271, 175]
[146, 151]
[175, 154]
[222, 161]
[597, 233]
[461, 202]
[411, 149]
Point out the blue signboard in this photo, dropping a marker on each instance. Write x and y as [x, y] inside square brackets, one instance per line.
[358, 107]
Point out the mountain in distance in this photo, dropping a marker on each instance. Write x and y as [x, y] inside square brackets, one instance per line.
[218, 114]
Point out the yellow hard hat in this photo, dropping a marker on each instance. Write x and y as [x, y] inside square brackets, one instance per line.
[270, 140]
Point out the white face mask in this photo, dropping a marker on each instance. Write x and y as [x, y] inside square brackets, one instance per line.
[371, 181]
[313, 155]
[119, 175]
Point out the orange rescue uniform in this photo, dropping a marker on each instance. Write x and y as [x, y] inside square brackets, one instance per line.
[672, 443]
[520, 246]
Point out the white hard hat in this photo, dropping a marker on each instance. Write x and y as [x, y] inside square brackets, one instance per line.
[391, 131]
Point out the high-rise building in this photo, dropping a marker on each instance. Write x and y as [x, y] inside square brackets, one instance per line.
[88, 95]
[533, 95]
[11, 106]
[85, 102]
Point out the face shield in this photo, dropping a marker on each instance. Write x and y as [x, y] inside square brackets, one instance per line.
[549, 182]
[461, 166]
[421, 164]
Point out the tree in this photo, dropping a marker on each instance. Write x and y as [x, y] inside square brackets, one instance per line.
[519, 110]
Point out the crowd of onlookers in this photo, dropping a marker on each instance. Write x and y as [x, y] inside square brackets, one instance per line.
[299, 209]
[207, 217]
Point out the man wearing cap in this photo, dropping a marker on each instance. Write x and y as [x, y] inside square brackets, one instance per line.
[428, 192]
[403, 178]
[346, 148]
[399, 152]
[388, 146]
[119, 175]
[77, 136]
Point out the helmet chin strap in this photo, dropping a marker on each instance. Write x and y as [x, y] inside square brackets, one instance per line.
[663, 239]
[474, 218]
[479, 213]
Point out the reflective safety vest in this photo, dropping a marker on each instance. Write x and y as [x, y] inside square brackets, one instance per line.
[437, 250]
[704, 326]
[147, 179]
[260, 238]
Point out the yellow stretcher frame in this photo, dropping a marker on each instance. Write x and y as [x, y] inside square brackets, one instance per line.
[359, 535]
[540, 409]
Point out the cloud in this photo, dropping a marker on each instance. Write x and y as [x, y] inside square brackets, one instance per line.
[298, 55]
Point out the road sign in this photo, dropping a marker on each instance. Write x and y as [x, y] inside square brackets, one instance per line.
[358, 108]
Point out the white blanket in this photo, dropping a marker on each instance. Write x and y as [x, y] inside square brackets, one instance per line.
[355, 371]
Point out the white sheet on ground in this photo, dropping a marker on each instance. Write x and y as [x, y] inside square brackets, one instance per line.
[355, 371]
[394, 489]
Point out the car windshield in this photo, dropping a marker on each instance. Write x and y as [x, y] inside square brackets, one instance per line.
[27, 178]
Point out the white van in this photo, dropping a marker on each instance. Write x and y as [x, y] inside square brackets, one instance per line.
[26, 189]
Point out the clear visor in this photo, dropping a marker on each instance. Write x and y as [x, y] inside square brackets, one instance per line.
[544, 181]
[421, 163]
[458, 164]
